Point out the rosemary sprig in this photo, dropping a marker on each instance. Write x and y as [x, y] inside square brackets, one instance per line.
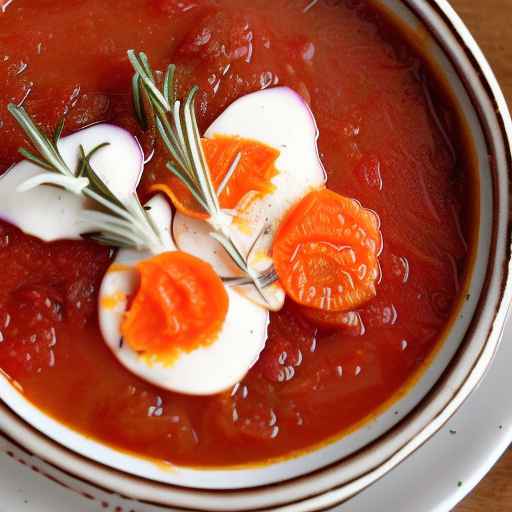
[176, 124]
[116, 223]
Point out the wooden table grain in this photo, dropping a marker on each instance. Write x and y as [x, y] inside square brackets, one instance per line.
[489, 21]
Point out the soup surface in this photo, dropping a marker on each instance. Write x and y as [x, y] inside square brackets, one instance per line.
[388, 137]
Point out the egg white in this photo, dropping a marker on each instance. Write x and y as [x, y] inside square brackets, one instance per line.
[279, 118]
[204, 371]
[50, 213]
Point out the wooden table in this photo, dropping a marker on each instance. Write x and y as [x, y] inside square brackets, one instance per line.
[489, 21]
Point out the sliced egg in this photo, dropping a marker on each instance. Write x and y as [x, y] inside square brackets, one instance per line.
[203, 371]
[279, 118]
[50, 213]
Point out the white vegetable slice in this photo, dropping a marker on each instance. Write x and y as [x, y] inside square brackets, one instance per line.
[279, 118]
[50, 213]
[204, 371]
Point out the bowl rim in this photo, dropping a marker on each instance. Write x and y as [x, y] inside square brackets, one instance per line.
[23, 434]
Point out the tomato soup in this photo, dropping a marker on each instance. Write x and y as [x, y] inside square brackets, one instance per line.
[389, 137]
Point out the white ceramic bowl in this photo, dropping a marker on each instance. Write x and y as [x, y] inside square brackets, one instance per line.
[336, 471]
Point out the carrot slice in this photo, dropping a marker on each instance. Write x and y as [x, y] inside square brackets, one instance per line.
[326, 252]
[253, 173]
[181, 305]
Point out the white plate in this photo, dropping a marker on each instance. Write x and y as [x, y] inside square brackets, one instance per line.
[434, 479]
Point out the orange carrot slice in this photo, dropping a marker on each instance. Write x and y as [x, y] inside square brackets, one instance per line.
[253, 173]
[326, 252]
[181, 305]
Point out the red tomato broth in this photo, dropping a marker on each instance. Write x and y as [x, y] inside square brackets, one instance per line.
[380, 143]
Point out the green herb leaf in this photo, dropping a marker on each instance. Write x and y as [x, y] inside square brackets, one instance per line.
[28, 155]
[58, 131]
[138, 102]
[169, 84]
[141, 65]
[231, 171]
